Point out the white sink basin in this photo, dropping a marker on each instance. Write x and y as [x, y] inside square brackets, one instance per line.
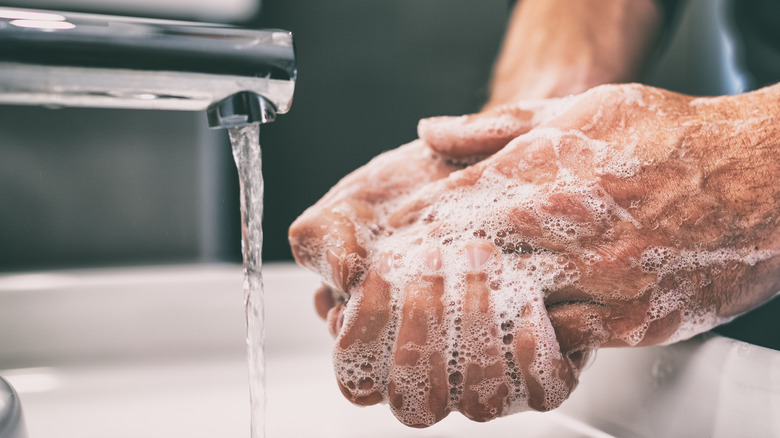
[159, 352]
[11, 421]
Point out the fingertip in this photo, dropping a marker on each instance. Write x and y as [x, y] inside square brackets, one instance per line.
[301, 231]
[474, 405]
[579, 325]
[352, 392]
[428, 129]
[470, 137]
[324, 301]
[324, 240]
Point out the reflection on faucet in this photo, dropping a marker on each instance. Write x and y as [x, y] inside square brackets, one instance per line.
[68, 59]
[240, 109]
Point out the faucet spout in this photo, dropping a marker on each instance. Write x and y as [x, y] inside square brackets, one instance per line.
[240, 109]
[86, 60]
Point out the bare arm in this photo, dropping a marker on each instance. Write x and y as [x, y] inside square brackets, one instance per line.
[554, 48]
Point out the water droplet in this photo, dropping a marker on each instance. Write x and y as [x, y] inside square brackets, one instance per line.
[524, 248]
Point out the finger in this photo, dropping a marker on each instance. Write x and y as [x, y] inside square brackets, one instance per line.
[409, 213]
[361, 353]
[335, 319]
[326, 241]
[580, 326]
[418, 391]
[481, 400]
[484, 391]
[476, 135]
[324, 300]
[329, 234]
[548, 377]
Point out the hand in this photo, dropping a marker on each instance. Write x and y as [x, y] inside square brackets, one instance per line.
[625, 216]
[696, 175]
[331, 237]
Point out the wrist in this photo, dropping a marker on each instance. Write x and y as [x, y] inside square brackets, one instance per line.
[550, 81]
[554, 48]
[740, 170]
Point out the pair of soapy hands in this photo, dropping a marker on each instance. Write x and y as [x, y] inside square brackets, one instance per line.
[477, 268]
[627, 215]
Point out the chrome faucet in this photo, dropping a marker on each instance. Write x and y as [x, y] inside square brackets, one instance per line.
[55, 59]
[62, 59]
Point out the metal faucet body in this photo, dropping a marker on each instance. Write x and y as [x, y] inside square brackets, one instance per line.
[68, 59]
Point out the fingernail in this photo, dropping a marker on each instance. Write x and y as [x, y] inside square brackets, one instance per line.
[478, 254]
[335, 257]
[432, 258]
[385, 263]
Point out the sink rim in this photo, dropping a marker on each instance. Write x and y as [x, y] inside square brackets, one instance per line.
[11, 418]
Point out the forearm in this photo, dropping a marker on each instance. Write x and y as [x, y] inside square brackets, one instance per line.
[740, 146]
[554, 48]
[744, 175]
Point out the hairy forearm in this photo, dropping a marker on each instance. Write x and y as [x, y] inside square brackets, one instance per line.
[740, 147]
[554, 48]
[742, 168]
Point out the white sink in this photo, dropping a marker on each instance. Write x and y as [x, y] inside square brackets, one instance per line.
[11, 421]
[159, 352]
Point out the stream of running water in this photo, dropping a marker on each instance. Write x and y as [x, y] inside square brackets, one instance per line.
[246, 152]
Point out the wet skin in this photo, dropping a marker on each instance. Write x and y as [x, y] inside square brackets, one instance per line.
[477, 268]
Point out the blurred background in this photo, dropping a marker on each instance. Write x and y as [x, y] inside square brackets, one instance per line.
[93, 187]
[99, 187]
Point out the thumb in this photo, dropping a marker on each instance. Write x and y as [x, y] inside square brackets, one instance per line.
[477, 135]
